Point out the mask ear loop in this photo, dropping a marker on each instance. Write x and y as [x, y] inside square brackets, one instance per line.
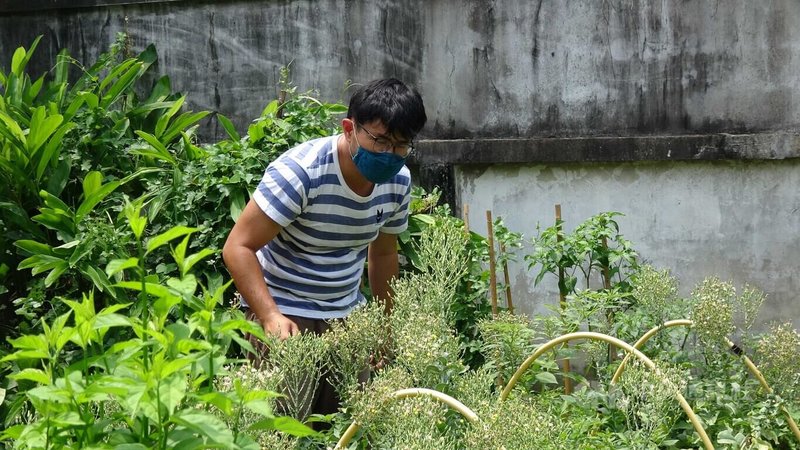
[355, 136]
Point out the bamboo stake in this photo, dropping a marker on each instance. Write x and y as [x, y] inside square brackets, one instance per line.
[466, 219]
[492, 265]
[507, 279]
[612, 354]
[562, 301]
[698, 427]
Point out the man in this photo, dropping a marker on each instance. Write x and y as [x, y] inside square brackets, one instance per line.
[297, 252]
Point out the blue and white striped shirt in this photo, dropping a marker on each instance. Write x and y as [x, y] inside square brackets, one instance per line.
[313, 267]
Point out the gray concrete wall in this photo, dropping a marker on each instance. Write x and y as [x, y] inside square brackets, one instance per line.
[735, 220]
[487, 68]
[681, 114]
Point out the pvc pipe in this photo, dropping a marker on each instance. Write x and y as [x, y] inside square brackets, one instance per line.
[412, 392]
[747, 362]
[621, 344]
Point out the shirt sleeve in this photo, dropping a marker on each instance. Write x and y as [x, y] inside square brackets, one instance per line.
[398, 222]
[283, 191]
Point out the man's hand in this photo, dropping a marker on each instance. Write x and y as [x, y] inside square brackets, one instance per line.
[278, 325]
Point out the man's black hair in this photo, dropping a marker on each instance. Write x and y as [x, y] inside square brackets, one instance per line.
[398, 106]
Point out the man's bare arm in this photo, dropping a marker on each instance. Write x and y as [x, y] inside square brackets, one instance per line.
[252, 231]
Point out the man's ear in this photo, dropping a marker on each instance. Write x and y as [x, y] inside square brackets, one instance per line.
[348, 125]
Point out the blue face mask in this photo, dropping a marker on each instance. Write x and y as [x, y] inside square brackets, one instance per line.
[378, 167]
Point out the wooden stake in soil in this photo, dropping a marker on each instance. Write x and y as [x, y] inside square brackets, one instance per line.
[466, 219]
[507, 280]
[492, 268]
[612, 353]
[562, 299]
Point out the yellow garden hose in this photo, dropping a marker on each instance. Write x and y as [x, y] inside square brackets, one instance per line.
[747, 362]
[413, 392]
[621, 344]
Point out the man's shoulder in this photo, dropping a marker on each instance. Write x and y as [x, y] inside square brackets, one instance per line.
[312, 152]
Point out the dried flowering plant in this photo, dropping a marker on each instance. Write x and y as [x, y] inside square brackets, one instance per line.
[712, 311]
[779, 360]
[747, 306]
[352, 343]
[298, 362]
[656, 293]
[647, 397]
[516, 423]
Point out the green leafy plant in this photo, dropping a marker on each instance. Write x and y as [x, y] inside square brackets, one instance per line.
[152, 390]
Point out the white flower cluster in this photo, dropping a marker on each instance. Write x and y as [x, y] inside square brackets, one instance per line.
[712, 311]
[779, 360]
[655, 291]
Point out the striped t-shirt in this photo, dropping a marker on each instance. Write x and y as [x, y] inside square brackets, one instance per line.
[313, 267]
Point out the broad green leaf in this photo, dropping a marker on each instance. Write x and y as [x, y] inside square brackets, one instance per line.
[133, 212]
[30, 342]
[546, 378]
[148, 56]
[167, 236]
[220, 400]
[106, 321]
[116, 72]
[55, 273]
[26, 354]
[151, 288]
[161, 125]
[57, 220]
[42, 127]
[206, 425]
[185, 286]
[14, 130]
[89, 203]
[271, 108]
[117, 265]
[183, 122]
[55, 203]
[99, 279]
[172, 391]
[40, 263]
[237, 205]
[288, 425]
[25, 57]
[260, 406]
[123, 83]
[33, 247]
[194, 258]
[34, 89]
[35, 375]
[49, 394]
[50, 153]
[164, 303]
[17, 61]
[91, 183]
[159, 149]
[67, 419]
[229, 128]
[84, 248]
[61, 70]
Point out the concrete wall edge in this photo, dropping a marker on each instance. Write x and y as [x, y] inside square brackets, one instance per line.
[705, 147]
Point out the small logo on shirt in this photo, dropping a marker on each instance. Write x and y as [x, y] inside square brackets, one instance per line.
[379, 216]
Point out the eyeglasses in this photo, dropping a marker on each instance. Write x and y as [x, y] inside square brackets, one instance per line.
[385, 145]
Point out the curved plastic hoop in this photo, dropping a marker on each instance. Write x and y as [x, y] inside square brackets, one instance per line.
[413, 392]
[621, 344]
[747, 362]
